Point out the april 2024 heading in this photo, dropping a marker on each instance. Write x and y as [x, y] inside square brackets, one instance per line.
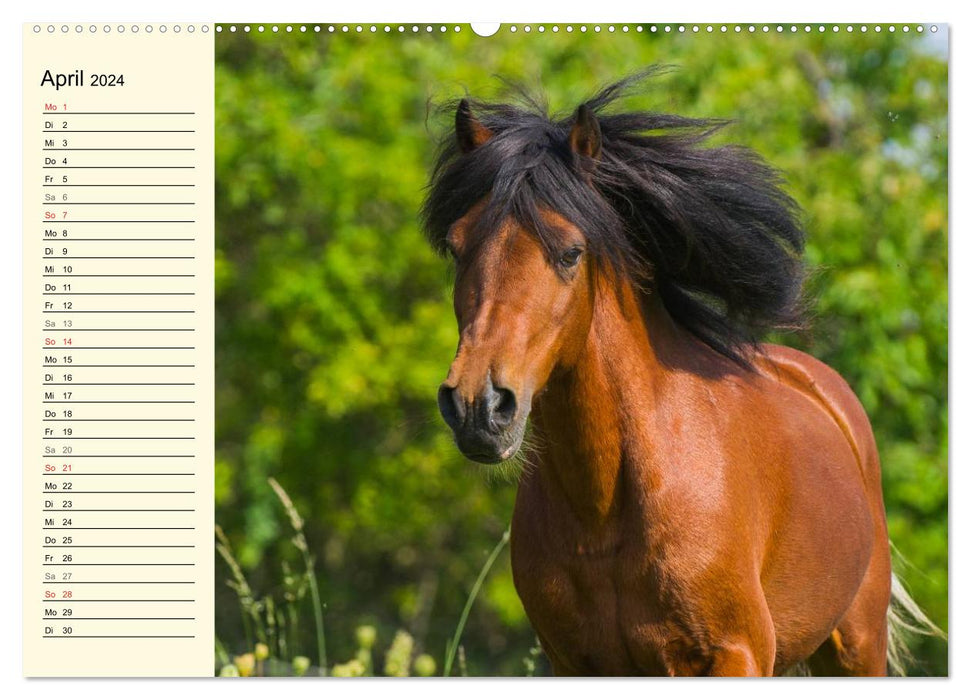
[76, 79]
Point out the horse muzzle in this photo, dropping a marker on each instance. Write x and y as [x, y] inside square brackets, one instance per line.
[488, 426]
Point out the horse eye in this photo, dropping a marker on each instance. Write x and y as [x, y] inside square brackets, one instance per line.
[571, 257]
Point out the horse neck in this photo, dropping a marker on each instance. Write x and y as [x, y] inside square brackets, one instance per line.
[593, 420]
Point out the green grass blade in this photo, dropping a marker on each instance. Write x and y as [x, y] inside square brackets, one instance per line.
[473, 594]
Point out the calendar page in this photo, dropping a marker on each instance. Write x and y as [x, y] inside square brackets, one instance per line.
[451, 350]
[118, 334]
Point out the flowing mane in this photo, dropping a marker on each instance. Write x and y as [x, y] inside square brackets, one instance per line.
[707, 228]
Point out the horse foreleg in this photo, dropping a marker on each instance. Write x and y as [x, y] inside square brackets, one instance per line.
[741, 659]
[747, 644]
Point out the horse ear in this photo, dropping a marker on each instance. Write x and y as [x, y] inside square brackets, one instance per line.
[585, 139]
[468, 130]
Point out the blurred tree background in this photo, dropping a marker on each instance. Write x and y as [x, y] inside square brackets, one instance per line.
[334, 323]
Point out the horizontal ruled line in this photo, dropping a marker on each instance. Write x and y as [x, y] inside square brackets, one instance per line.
[65, 148]
[125, 456]
[138, 276]
[119, 167]
[72, 617]
[116, 239]
[116, 437]
[119, 294]
[118, 184]
[70, 401]
[70, 438]
[119, 510]
[119, 636]
[122, 330]
[118, 420]
[119, 528]
[120, 221]
[112, 204]
[152, 563]
[72, 365]
[118, 131]
[173, 114]
[76, 583]
[116, 311]
[114, 366]
[118, 600]
[72, 491]
[118, 383]
[119, 546]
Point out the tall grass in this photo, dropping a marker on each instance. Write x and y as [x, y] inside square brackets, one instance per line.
[271, 628]
[300, 542]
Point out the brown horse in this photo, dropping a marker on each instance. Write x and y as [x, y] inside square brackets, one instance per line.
[695, 503]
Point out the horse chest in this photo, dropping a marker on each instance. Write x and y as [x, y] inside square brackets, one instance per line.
[597, 613]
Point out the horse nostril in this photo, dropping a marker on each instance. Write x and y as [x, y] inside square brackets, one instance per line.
[451, 406]
[503, 405]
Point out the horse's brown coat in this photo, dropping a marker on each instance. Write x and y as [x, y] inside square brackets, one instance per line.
[682, 515]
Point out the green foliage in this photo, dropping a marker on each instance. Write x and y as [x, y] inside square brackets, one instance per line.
[334, 324]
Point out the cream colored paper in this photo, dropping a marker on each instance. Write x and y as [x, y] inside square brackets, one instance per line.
[118, 423]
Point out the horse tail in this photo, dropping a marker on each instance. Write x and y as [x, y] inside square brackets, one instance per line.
[904, 619]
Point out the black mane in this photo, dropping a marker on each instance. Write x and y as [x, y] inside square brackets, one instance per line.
[709, 228]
